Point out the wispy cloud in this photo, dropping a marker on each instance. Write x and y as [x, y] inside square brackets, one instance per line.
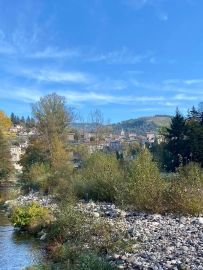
[74, 96]
[108, 85]
[52, 52]
[155, 4]
[26, 95]
[58, 76]
[185, 97]
[122, 56]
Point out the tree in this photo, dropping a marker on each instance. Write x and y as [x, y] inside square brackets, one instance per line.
[13, 118]
[97, 120]
[52, 117]
[195, 141]
[200, 109]
[5, 122]
[35, 153]
[22, 120]
[5, 158]
[176, 142]
[193, 114]
[101, 177]
[50, 149]
[144, 183]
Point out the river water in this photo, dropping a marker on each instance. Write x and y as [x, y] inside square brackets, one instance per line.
[17, 250]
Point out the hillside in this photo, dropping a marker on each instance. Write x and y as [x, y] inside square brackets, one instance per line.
[143, 124]
[139, 125]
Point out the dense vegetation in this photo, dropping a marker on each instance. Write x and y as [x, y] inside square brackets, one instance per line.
[183, 141]
[29, 122]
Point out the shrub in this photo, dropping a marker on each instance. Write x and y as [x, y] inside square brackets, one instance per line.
[86, 261]
[36, 177]
[185, 193]
[99, 178]
[68, 225]
[31, 217]
[144, 188]
[74, 233]
[92, 262]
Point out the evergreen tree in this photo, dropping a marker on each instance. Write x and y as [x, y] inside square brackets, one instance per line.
[195, 134]
[200, 109]
[195, 141]
[22, 120]
[13, 118]
[193, 114]
[176, 144]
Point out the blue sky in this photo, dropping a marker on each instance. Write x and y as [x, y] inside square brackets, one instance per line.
[128, 58]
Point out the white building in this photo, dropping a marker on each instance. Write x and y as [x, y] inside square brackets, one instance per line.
[151, 137]
[16, 153]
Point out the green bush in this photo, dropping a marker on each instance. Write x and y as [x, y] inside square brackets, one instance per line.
[74, 233]
[100, 177]
[185, 193]
[144, 187]
[36, 177]
[31, 217]
[86, 261]
[92, 262]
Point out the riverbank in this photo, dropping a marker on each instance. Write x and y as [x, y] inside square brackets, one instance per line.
[161, 241]
[18, 250]
[152, 241]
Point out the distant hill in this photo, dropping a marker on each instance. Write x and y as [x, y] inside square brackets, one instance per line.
[139, 125]
[143, 124]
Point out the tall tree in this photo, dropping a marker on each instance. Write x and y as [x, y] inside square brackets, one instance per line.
[5, 158]
[195, 141]
[52, 117]
[5, 122]
[176, 142]
[97, 120]
[49, 149]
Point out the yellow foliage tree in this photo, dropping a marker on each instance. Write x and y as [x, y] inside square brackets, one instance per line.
[5, 123]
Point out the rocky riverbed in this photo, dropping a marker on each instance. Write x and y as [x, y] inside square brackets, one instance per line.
[159, 241]
[46, 201]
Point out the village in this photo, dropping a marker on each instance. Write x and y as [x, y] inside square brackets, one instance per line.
[92, 141]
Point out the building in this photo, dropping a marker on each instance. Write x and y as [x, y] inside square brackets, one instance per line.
[16, 152]
[132, 136]
[71, 137]
[151, 137]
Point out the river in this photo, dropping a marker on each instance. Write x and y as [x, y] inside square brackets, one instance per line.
[17, 250]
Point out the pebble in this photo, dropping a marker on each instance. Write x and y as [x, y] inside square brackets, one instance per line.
[162, 242]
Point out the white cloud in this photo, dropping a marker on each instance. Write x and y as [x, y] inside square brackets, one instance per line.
[57, 76]
[74, 96]
[122, 56]
[108, 85]
[27, 95]
[184, 97]
[51, 53]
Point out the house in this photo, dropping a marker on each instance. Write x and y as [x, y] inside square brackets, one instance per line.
[71, 137]
[151, 137]
[132, 136]
[16, 152]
